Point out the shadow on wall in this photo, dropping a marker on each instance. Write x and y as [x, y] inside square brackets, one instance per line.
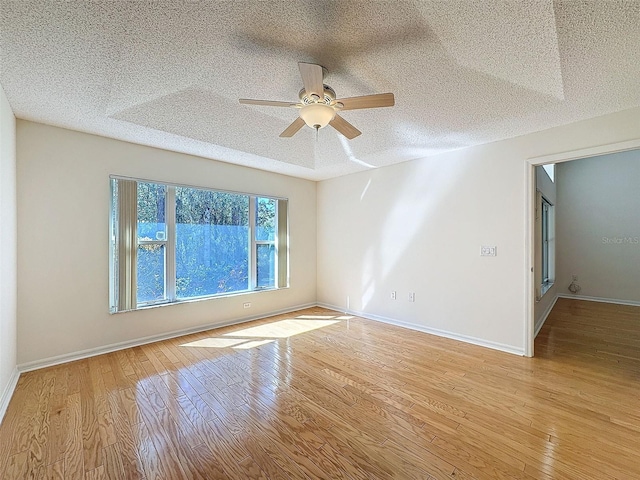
[417, 228]
[409, 219]
[388, 222]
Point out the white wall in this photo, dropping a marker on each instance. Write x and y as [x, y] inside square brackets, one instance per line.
[599, 225]
[418, 226]
[8, 230]
[63, 207]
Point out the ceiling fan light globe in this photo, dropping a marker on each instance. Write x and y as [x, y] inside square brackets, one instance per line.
[317, 115]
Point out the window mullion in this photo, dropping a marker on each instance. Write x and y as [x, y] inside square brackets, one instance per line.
[253, 273]
[276, 266]
[170, 249]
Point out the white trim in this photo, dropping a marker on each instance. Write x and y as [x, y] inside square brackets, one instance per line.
[253, 254]
[586, 152]
[170, 243]
[432, 331]
[529, 242]
[5, 398]
[633, 303]
[543, 319]
[188, 185]
[92, 352]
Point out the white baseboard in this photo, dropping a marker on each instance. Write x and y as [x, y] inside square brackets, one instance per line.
[543, 319]
[5, 397]
[632, 303]
[92, 352]
[432, 331]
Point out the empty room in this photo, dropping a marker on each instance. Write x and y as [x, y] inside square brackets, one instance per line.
[319, 239]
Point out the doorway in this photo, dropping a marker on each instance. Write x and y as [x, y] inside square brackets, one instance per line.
[531, 201]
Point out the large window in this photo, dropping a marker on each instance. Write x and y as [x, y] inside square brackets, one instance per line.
[172, 243]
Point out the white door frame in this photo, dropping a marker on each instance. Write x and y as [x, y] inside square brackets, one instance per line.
[530, 215]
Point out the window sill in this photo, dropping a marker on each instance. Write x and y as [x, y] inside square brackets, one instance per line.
[545, 288]
[200, 299]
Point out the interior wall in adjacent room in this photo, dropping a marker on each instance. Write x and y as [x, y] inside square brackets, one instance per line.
[598, 230]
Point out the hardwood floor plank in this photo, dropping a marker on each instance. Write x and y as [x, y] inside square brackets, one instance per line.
[55, 471]
[112, 462]
[171, 462]
[131, 461]
[58, 428]
[91, 440]
[17, 466]
[152, 463]
[95, 474]
[207, 462]
[289, 397]
[261, 457]
[74, 451]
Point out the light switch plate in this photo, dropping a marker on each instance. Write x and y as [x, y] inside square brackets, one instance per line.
[488, 251]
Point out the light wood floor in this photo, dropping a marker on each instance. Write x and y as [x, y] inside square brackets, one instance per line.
[318, 395]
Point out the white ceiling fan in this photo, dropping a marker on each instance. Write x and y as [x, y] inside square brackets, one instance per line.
[319, 107]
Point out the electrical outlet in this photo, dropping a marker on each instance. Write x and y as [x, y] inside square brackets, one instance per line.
[393, 295]
[412, 296]
[574, 278]
[246, 304]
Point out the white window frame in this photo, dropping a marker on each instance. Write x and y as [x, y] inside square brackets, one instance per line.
[280, 245]
[253, 204]
[547, 245]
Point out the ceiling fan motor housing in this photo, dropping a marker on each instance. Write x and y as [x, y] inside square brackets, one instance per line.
[329, 96]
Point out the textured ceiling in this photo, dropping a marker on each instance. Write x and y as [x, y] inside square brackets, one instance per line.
[170, 73]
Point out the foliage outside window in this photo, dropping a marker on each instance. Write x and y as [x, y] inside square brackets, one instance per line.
[174, 243]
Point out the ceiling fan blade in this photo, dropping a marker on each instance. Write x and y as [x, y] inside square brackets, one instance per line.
[344, 127]
[292, 129]
[312, 78]
[266, 103]
[368, 101]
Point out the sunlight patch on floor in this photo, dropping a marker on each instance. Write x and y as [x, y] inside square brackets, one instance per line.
[251, 337]
[252, 343]
[214, 342]
[282, 328]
